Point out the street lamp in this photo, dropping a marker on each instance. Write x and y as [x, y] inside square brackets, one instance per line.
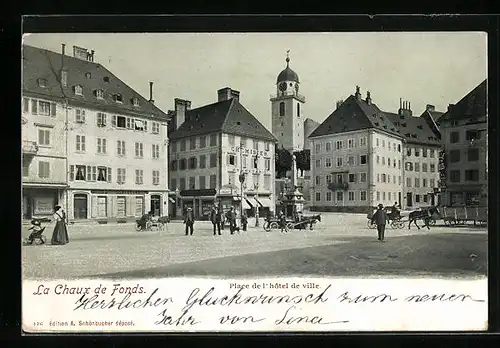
[241, 178]
[256, 185]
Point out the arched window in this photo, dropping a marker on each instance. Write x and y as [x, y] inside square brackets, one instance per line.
[282, 109]
[298, 109]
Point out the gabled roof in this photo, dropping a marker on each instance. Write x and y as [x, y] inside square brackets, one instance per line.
[353, 115]
[40, 63]
[227, 116]
[436, 115]
[473, 105]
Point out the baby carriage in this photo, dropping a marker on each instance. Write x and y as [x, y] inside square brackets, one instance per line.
[36, 236]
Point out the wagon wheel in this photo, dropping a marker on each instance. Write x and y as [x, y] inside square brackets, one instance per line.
[273, 225]
[267, 226]
[432, 222]
[397, 224]
[290, 226]
[159, 226]
[370, 225]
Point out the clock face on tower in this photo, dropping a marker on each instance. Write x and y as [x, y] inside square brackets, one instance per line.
[282, 86]
[297, 87]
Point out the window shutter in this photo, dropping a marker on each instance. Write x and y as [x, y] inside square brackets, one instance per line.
[145, 126]
[110, 177]
[71, 172]
[124, 175]
[82, 116]
[26, 104]
[53, 109]
[113, 121]
[40, 169]
[93, 206]
[104, 116]
[89, 173]
[34, 106]
[82, 143]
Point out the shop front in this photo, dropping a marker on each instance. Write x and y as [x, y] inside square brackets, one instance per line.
[200, 201]
[264, 204]
[39, 200]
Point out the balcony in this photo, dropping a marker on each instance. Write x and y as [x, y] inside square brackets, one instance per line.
[30, 148]
[288, 94]
[338, 186]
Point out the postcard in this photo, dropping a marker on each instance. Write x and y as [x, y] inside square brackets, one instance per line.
[251, 182]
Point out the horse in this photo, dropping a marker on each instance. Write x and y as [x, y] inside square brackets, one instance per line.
[425, 214]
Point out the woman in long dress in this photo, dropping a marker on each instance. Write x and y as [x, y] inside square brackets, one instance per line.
[60, 234]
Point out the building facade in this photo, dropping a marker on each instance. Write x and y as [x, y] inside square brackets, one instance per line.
[358, 158]
[464, 129]
[211, 147]
[43, 153]
[113, 140]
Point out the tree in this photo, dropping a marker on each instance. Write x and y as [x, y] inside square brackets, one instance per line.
[303, 160]
[283, 162]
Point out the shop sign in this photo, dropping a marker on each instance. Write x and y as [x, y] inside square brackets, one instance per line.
[198, 193]
[43, 205]
[253, 152]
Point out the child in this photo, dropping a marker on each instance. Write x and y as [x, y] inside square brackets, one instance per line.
[36, 228]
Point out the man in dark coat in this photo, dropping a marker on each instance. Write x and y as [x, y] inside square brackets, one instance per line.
[189, 221]
[380, 219]
[216, 217]
[231, 217]
[244, 221]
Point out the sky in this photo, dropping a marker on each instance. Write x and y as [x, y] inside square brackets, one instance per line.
[437, 68]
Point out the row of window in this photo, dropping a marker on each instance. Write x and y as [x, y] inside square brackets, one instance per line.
[232, 160]
[395, 147]
[431, 183]
[121, 206]
[339, 161]
[472, 155]
[339, 196]
[191, 182]
[211, 140]
[470, 135]
[121, 150]
[341, 144]
[339, 178]
[469, 175]
[282, 109]
[386, 178]
[410, 166]
[377, 160]
[432, 153]
[39, 107]
[104, 174]
[43, 169]
[124, 122]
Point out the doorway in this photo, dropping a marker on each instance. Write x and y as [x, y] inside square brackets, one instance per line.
[80, 206]
[156, 205]
[409, 200]
[399, 199]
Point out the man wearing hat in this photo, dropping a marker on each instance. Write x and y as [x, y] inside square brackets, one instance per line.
[189, 221]
[380, 219]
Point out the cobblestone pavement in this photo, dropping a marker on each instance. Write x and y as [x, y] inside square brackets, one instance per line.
[105, 249]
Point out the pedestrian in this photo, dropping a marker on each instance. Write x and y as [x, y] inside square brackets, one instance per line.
[244, 221]
[189, 221]
[282, 218]
[216, 218]
[222, 218]
[231, 217]
[380, 219]
[60, 234]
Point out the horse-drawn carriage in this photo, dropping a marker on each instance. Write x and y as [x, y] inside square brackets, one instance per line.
[398, 219]
[395, 218]
[301, 222]
[153, 224]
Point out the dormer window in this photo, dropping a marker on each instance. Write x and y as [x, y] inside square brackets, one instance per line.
[135, 101]
[105, 78]
[78, 90]
[42, 83]
[99, 94]
[118, 98]
[88, 75]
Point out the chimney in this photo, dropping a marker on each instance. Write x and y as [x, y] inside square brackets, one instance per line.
[63, 52]
[404, 109]
[92, 55]
[368, 98]
[235, 94]
[64, 73]
[357, 95]
[224, 94]
[430, 107]
[450, 106]
[181, 106]
[151, 100]
[339, 102]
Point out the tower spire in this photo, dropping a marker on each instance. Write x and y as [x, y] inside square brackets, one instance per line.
[287, 57]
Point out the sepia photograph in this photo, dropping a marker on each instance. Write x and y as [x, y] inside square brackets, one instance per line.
[238, 156]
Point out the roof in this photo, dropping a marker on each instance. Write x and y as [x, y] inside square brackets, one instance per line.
[436, 115]
[473, 105]
[40, 63]
[414, 129]
[353, 115]
[227, 116]
[287, 74]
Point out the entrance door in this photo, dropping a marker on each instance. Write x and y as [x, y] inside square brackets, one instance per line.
[433, 199]
[156, 205]
[409, 201]
[399, 198]
[80, 206]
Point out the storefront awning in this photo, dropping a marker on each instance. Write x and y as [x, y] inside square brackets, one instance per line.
[264, 202]
[246, 204]
[43, 185]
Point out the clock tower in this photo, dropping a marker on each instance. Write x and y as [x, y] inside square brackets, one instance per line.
[286, 110]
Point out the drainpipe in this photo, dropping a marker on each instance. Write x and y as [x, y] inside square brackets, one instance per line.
[369, 180]
[66, 130]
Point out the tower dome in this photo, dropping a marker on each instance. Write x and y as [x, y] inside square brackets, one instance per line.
[287, 74]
